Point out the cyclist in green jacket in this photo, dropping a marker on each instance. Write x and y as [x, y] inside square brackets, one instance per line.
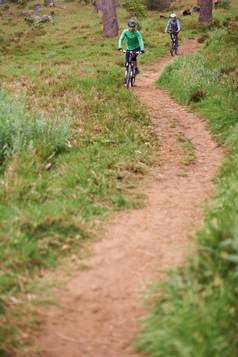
[134, 42]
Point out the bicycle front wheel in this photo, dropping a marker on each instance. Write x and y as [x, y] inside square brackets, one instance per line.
[133, 76]
[172, 51]
[176, 49]
[128, 76]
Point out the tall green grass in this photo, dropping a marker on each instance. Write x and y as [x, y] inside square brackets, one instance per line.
[197, 311]
[21, 132]
[53, 197]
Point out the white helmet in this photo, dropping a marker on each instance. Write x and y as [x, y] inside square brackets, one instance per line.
[173, 15]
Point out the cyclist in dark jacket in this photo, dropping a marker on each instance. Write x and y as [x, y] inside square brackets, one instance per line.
[134, 42]
[173, 26]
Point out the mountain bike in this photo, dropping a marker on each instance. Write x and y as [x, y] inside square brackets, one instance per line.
[174, 43]
[130, 72]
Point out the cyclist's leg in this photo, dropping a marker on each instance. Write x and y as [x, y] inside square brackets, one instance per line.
[171, 43]
[171, 36]
[135, 62]
[127, 58]
[174, 38]
[176, 43]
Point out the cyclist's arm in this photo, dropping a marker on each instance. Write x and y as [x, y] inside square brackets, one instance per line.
[141, 42]
[167, 26]
[121, 39]
[179, 28]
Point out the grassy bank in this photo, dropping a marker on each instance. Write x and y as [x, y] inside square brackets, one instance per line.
[197, 312]
[74, 145]
[52, 194]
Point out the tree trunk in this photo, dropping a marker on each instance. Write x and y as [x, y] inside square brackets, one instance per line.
[205, 10]
[110, 23]
[98, 4]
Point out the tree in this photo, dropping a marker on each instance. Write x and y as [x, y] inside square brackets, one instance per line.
[205, 10]
[98, 5]
[108, 10]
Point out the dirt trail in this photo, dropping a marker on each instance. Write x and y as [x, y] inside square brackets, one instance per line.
[98, 313]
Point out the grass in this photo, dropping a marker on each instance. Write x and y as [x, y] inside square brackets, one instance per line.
[53, 197]
[189, 156]
[20, 132]
[77, 150]
[195, 310]
[68, 78]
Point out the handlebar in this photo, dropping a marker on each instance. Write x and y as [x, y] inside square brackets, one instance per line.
[125, 51]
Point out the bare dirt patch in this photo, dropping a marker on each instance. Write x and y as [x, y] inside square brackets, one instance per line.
[98, 312]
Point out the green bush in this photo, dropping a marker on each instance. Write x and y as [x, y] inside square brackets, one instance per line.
[20, 131]
[157, 4]
[224, 4]
[135, 7]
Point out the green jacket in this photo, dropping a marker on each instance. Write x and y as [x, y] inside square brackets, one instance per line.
[133, 40]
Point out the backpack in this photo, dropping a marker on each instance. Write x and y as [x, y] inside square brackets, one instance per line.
[173, 25]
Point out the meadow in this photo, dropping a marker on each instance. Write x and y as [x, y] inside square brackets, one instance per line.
[74, 146]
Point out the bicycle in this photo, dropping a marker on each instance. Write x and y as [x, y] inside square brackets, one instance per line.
[130, 73]
[174, 43]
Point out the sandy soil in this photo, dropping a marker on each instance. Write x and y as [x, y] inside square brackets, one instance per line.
[98, 312]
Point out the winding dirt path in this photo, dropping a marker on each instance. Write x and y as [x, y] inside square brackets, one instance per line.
[98, 313]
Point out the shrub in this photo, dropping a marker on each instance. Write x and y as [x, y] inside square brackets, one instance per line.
[157, 4]
[19, 131]
[224, 4]
[135, 7]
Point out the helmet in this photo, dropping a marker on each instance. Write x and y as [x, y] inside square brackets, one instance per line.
[132, 23]
[173, 15]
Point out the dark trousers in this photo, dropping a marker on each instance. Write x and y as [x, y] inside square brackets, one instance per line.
[133, 56]
[174, 35]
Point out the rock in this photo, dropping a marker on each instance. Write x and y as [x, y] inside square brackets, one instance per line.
[186, 12]
[39, 19]
[217, 3]
[44, 18]
[163, 16]
[28, 13]
[195, 9]
[36, 7]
